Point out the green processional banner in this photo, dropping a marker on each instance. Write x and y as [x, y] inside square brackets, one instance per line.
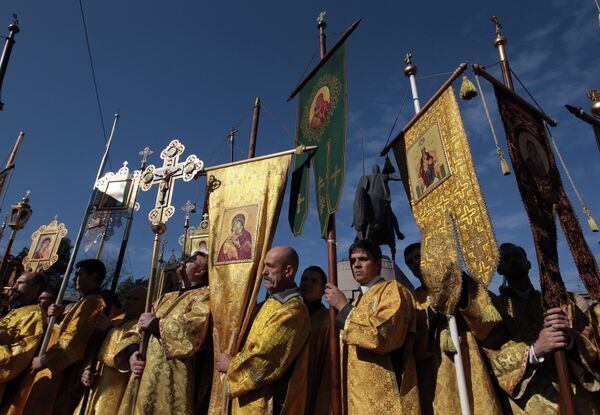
[321, 122]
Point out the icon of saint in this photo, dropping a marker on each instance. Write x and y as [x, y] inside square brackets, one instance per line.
[238, 245]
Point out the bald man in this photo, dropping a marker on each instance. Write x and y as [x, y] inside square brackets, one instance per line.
[268, 375]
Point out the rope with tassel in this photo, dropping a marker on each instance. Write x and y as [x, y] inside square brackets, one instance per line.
[591, 222]
[503, 163]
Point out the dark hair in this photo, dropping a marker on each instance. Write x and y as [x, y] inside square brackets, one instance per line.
[93, 266]
[318, 270]
[111, 298]
[511, 245]
[368, 246]
[411, 247]
[38, 279]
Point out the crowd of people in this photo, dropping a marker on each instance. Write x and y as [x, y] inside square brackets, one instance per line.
[396, 352]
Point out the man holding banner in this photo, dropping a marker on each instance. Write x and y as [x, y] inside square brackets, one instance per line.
[268, 375]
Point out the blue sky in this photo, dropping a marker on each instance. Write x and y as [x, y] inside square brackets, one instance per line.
[191, 70]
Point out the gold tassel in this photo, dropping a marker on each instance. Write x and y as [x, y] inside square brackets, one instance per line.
[467, 89]
[490, 314]
[591, 222]
[448, 346]
[503, 163]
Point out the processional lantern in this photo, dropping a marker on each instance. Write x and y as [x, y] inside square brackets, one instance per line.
[18, 217]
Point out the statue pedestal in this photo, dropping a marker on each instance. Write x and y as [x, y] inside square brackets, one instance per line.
[389, 271]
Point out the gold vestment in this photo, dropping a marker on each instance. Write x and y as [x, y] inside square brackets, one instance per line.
[21, 331]
[276, 342]
[379, 331]
[167, 383]
[49, 394]
[319, 364]
[533, 388]
[438, 388]
[105, 395]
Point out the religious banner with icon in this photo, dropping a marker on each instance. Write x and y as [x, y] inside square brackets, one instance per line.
[543, 195]
[244, 207]
[321, 122]
[437, 168]
[116, 190]
[44, 247]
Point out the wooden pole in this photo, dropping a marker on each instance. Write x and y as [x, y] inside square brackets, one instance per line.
[566, 403]
[254, 129]
[232, 132]
[334, 344]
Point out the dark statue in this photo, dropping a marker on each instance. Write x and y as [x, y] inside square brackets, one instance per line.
[373, 217]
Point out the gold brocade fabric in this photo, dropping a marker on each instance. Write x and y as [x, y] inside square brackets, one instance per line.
[446, 201]
[276, 341]
[67, 346]
[166, 386]
[533, 388]
[105, 396]
[21, 331]
[319, 364]
[252, 191]
[438, 388]
[381, 324]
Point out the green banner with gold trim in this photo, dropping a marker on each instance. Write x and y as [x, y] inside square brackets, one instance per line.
[321, 122]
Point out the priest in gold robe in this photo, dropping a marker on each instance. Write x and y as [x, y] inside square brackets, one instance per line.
[524, 364]
[312, 289]
[107, 384]
[49, 392]
[377, 333]
[268, 375]
[434, 350]
[177, 329]
[21, 331]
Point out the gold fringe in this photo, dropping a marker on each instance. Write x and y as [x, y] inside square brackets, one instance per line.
[591, 222]
[448, 346]
[490, 314]
[467, 89]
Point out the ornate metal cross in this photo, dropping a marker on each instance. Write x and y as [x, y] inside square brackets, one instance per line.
[165, 177]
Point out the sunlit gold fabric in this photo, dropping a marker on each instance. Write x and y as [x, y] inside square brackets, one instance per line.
[105, 396]
[277, 339]
[319, 364]
[166, 386]
[449, 205]
[435, 367]
[534, 388]
[67, 346]
[258, 187]
[381, 322]
[21, 331]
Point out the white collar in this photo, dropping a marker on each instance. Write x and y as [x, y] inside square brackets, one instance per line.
[365, 288]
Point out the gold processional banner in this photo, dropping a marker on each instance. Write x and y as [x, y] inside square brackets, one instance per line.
[446, 201]
[243, 213]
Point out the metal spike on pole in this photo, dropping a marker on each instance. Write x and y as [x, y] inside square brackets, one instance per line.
[65, 280]
[465, 407]
[13, 29]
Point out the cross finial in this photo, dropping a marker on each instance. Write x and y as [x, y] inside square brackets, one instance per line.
[594, 95]
[188, 208]
[56, 218]
[145, 153]
[125, 163]
[496, 21]
[321, 18]
[408, 58]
